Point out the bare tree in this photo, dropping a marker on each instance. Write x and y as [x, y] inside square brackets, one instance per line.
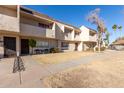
[94, 18]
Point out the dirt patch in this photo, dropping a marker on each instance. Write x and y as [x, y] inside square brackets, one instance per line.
[60, 57]
[107, 73]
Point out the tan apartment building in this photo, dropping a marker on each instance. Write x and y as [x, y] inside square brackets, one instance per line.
[19, 24]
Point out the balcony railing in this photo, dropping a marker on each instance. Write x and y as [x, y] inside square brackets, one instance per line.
[77, 38]
[92, 38]
[30, 30]
[9, 23]
[68, 37]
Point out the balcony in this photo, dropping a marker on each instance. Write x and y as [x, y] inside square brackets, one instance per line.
[93, 38]
[9, 23]
[68, 36]
[30, 30]
[77, 38]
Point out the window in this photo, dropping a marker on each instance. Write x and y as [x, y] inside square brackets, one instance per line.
[42, 44]
[76, 34]
[91, 33]
[26, 10]
[43, 25]
[64, 44]
[67, 31]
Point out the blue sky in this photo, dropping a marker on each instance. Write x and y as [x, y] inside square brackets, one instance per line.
[76, 15]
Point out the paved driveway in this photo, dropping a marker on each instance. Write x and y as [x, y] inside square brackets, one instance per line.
[35, 72]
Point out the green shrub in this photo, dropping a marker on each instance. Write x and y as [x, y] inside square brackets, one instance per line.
[54, 50]
[32, 43]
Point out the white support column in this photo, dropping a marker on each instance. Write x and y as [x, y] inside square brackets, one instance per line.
[63, 28]
[18, 17]
[59, 45]
[1, 47]
[18, 45]
[72, 34]
[18, 38]
[80, 46]
[53, 27]
[18, 11]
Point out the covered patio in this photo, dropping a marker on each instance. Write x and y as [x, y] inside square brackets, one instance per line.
[89, 45]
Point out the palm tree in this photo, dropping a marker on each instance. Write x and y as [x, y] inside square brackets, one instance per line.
[120, 28]
[114, 27]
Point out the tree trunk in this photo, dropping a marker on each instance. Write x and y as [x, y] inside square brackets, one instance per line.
[99, 42]
[121, 34]
[32, 51]
[99, 46]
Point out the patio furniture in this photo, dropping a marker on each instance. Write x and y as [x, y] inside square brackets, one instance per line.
[37, 51]
[46, 50]
[41, 51]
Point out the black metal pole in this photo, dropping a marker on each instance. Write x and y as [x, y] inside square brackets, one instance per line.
[18, 58]
[20, 77]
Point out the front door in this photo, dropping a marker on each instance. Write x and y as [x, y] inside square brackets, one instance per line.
[24, 46]
[76, 46]
[9, 46]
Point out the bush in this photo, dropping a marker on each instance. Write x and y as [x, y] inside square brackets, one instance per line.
[32, 43]
[90, 49]
[54, 50]
[101, 49]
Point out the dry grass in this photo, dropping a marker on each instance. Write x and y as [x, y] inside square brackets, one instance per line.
[100, 73]
[60, 57]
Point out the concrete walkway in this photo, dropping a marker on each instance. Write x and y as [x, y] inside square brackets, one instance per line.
[35, 72]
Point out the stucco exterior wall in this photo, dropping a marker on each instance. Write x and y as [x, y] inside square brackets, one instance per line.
[8, 19]
[59, 32]
[71, 46]
[119, 47]
[30, 30]
[84, 36]
[29, 21]
[8, 11]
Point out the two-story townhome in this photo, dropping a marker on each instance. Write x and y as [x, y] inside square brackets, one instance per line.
[19, 24]
[88, 37]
